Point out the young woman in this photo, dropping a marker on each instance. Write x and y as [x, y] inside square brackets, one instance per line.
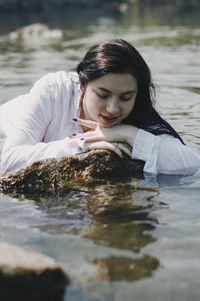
[106, 105]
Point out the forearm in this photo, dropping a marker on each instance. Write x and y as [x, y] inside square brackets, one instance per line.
[18, 156]
[128, 134]
[164, 154]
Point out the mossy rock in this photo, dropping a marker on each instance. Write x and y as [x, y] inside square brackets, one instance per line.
[60, 175]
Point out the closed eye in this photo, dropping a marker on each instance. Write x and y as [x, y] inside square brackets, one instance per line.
[102, 96]
[126, 97]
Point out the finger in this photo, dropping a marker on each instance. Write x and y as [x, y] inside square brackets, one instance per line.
[91, 136]
[80, 135]
[105, 145]
[125, 149]
[117, 150]
[88, 123]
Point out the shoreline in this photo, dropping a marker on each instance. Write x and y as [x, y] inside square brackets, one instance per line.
[121, 6]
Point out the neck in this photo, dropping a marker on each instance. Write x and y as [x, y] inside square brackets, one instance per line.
[82, 116]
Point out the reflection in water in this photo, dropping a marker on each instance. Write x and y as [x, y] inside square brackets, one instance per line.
[124, 268]
[127, 235]
[117, 216]
[120, 219]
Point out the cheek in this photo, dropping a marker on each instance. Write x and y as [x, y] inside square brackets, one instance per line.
[96, 104]
[92, 103]
[128, 107]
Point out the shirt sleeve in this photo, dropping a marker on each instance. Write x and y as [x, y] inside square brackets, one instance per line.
[25, 129]
[164, 154]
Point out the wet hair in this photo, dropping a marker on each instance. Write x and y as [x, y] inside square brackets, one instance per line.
[118, 56]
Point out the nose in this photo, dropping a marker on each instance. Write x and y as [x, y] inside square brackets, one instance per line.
[113, 107]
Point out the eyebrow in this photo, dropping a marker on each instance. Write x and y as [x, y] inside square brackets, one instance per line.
[108, 91]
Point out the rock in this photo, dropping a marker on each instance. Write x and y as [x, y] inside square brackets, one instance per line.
[27, 275]
[35, 31]
[60, 175]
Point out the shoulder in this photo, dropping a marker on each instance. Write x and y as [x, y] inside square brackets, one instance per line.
[58, 80]
[162, 131]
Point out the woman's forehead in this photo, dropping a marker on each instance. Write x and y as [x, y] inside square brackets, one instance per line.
[118, 82]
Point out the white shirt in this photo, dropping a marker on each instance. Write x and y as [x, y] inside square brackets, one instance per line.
[38, 125]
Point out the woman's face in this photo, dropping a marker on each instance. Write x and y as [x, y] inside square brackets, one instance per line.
[109, 99]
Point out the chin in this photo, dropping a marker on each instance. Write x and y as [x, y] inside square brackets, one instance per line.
[103, 125]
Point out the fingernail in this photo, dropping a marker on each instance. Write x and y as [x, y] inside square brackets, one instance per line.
[74, 119]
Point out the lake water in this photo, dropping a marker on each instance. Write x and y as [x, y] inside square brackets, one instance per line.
[131, 240]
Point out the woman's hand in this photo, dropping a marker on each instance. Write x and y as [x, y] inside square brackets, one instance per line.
[118, 148]
[125, 134]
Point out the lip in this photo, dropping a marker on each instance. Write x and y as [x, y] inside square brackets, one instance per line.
[109, 120]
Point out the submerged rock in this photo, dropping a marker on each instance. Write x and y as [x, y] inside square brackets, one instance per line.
[27, 275]
[59, 175]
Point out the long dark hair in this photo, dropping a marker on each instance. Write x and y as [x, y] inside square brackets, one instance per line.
[118, 56]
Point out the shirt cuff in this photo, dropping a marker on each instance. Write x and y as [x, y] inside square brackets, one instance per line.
[146, 146]
[76, 146]
[143, 143]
